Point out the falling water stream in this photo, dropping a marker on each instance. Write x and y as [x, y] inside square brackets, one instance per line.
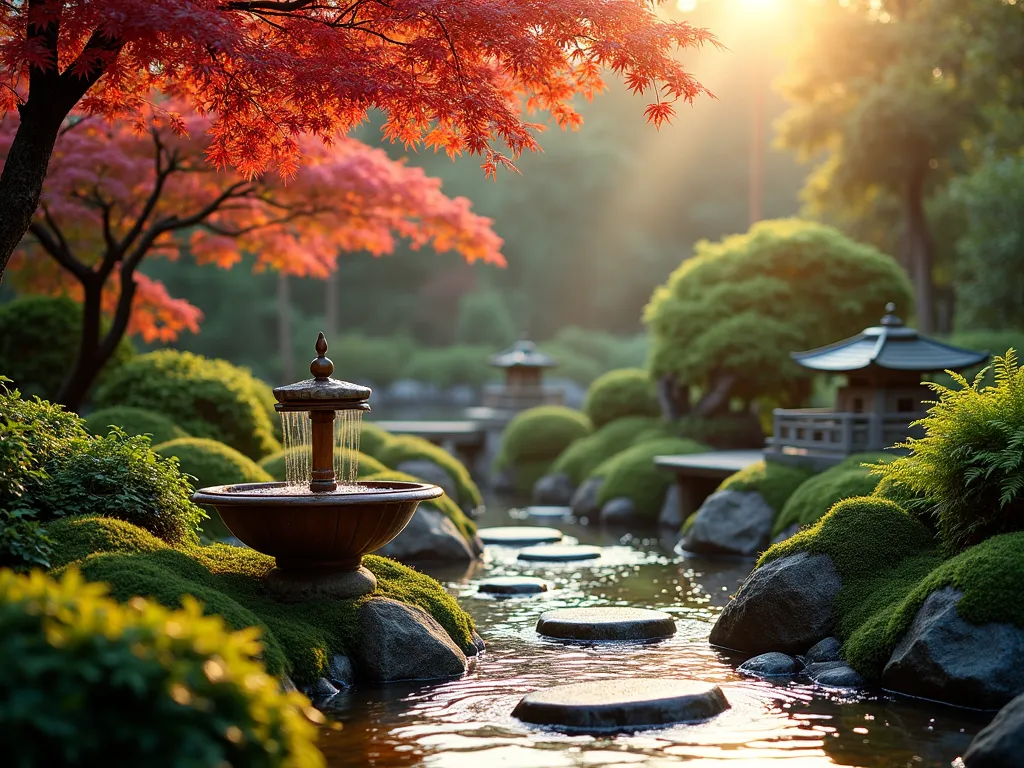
[297, 431]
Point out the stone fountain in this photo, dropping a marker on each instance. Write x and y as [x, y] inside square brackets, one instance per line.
[316, 525]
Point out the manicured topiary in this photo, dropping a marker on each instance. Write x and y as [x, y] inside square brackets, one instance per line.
[205, 397]
[446, 506]
[633, 474]
[616, 394]
[39, 337]
[403, 448]
[299, 639]
[584, 455]
[134, 421]
[538, 435]
[775, 481]
[213, 463]
[372, 439]
[274, 464]
[97, 683]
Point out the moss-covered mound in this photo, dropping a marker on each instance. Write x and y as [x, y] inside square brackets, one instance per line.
[372, 439]
[444, 505]
[815, 497]
[774, 481]
[583, 456]
[213, 463]
[535, 438]
[134, 421]
[621, 393]
[403, 448]
[274, 464]
[300, 639]
[205, 397]
[632, 474]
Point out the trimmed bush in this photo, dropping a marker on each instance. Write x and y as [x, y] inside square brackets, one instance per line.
[409, 448]
[583, 456]
[134, 421]
[445, 505]
[540, 434]
[274, 465]
[616, 394]
[775, 482]
[372, 439]
[445, 367]
[213, 463]
[632, 474]
[205, 397]
[97, 683]
[39, 338]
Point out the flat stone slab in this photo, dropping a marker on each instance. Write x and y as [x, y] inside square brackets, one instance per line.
[512, 585]
[622, 703]
[560, 553]
[548, 511]
[519, 535]
[606, 624]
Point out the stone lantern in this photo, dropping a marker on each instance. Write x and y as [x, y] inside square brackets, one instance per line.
[523, 387]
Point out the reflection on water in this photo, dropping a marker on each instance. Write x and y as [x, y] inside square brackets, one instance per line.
[466, 723]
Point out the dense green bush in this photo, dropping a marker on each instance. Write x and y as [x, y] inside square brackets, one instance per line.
[205, 397]
[776, 482]
[39, 338]
[97, 683]
[484, 320]
[446, 367]
[968, 469]
[372, 439]
[410, 448]
[634, 475]
[445, 505]
[616, 394]
[212, 463]
[134, 421]
[583, 456]
[539, 435]
[274, 464]
[366, 360]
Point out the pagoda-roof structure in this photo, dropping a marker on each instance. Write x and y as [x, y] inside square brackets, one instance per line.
[523, 354]
[889, 346]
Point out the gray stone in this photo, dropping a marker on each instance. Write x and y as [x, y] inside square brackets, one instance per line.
[786, 532]
[518, 535]
[772, 664]
[403, 642]
[618, 511]
[1000, 744]
[560, 553]
[462, 394]
[829, 649]
[429, 472]
[785, 605]
[341, 671]
[943, 657]
[298, 586]
[429, 536]
[512, 585]
[321, 689]
[504, 480]
[622, 703]
[556, 488]
[478, 644]
[584, 501]
[835, 674]
[730, 523]
[671, 515]
[549, 512]
[606, 624]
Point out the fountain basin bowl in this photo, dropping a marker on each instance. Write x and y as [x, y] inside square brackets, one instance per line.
[316, 531]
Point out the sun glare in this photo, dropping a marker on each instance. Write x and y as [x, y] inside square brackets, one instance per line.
[758, 4]
[686, 5]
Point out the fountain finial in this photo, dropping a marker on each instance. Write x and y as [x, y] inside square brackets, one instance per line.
[322, 367]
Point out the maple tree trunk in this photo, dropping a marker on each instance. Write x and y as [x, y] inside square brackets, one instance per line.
[920, 253]
[673, 399]
[716, 398]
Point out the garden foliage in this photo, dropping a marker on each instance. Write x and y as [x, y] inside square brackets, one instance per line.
[815, 496]
[134, 421]
[212, 463]
[538, 435]
[632, 474]
[621, 393]
[776, 482]
[583, 456]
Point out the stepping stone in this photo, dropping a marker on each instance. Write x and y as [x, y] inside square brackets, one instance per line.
[518, 535]
[622, 703]
[560, 553]
[548, 511]
[606, 624]
[512, 585]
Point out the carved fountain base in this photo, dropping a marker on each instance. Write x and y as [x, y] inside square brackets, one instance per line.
[293, 586]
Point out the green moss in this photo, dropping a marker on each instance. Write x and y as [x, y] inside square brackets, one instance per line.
[584, 455]
[410, 448]
[537, 436]
[299, 638]
[372, 439]
[134, 421]
[444, 505]
[633, 474]
[814, 497]
[274, 465]
[75, 538]
[775, 482]
[621, 393]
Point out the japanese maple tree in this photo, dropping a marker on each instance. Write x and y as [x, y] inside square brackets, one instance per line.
[450, 74]
[113, 198]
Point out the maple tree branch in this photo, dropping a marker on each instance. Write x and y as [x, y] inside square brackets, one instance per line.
[162, 174]
[268, 5]
[53, 243]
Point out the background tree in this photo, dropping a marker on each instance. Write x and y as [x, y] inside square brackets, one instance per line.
[112, 199]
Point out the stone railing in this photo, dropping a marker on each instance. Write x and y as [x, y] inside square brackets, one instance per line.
[503, 398]
[826, 434]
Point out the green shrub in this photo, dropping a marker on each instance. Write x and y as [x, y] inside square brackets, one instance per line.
[484, 320]
[371, 361]
[583, 456]
[572, 364]
[633, 474]
[968, 469]
[410, 448]
[445, 505]
[372, 439]
[205, 397]
[540, 434]
[39, 338]
[445, 367]
[212, 463]
[776, 482]
[274, 465]
[299, 639]
[616, 394]
[97, 683]
[134, 421]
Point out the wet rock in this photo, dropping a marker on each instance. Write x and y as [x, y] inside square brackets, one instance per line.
[622, 703]
[786, 532]
[559, 553]
[1000, 744]
[772, 664]
[403, 642]
[730, 523]
[429, 536]
[828, 649]
[321, 689]
[478, 645]
[943, 657]
[429, 472]
[584, 501]
[606, 624]
[556, 489]
[504, 480]
[548, 512]
[519, 535]
[785, 605]
[341, 671]
[671, 515]
[512, 585]
[618, 511]
[835, 674]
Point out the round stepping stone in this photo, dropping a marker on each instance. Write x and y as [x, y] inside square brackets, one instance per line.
[622, 703]
[512, 585]
[513, 535]
[560, 553]
[549, 511]
[606, 624]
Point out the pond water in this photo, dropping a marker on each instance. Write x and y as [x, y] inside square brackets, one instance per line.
[467, 723]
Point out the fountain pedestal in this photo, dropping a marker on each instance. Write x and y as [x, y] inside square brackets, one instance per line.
[293, 586]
